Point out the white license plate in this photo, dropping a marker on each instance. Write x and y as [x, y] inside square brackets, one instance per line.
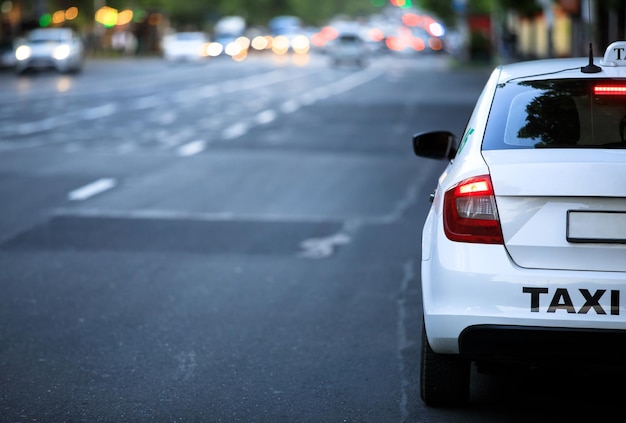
[596, 226]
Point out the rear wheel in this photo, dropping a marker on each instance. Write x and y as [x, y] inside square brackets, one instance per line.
[444, 378]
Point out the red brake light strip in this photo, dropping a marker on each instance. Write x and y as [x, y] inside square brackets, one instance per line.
[609, 90]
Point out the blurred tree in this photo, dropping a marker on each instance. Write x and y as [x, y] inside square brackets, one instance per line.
[448, 13]
[479, 7]
[256, 12]
[445, 10]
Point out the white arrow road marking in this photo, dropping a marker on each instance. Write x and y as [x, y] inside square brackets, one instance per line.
[323, 247]
[91, 189]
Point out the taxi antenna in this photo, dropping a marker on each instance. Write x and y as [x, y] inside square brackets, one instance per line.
[591, 67]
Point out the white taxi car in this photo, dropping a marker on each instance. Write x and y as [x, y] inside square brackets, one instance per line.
[524, 246]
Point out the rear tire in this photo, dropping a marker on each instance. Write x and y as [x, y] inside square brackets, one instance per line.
[444, 378]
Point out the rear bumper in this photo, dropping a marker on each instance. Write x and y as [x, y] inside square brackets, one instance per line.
[45, 62]
[478, 286]
[543, 345]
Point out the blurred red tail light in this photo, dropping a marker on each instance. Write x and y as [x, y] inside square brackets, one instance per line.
[470, 213]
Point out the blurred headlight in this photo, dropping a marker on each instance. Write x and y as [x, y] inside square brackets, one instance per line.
[280, 45]
[215, 49]
[260, 43]
[300, 44]
[204, 50]
[22, 53]
[233, 48]
[244, 42]
[61, 52]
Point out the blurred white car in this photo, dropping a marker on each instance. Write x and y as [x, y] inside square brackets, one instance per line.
[348, 49]
[50, 48]
[524, 247]
[189, 46]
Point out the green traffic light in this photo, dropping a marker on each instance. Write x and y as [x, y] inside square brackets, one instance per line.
[45, 20]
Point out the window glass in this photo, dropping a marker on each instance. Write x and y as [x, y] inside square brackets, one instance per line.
[557, 114]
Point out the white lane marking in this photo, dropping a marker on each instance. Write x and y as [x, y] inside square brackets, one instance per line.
[235, 131]
[239, 129]
[92, 189]
[208, 91]
[99, 112]
[147, 102]
[353, 81]
[323, 247]
[266, 117]
[106, 110]
[34, 127]
[191, 148]
[254, 82]
[289, 106]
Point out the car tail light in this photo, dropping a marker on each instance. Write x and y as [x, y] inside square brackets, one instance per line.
[470, 213]
[609, 90]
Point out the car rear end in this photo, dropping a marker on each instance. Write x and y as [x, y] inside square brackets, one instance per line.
[348, 49]
[525, 246]
[186, 46]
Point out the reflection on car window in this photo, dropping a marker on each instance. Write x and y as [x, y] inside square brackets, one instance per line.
[556, 114]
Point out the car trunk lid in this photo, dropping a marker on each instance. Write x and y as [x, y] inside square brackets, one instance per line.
[562, 208]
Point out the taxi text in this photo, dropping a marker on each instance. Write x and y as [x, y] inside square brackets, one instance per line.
[561, 299]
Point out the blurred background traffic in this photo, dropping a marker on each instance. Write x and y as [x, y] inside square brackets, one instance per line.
[197, 30]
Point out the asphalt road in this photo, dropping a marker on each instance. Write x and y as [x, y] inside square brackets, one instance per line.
[231, 242]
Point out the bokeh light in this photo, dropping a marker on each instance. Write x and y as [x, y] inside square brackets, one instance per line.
[300, 44]
[214, 49]
[45, 20]
[71, 13]
[125, 17]
[280, 45]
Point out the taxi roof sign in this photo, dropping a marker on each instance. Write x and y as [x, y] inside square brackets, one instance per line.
[615, 54]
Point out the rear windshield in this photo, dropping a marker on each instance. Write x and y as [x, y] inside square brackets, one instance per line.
[571, 113]
[190, 36]
[349, 39]
[44, 35]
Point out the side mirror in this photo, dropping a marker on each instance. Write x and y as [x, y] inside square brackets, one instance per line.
[435, 145]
